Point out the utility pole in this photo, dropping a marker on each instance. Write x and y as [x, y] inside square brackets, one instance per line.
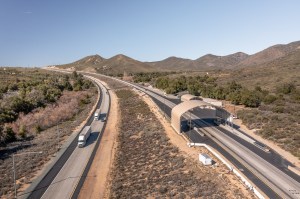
[14, 169]
[14, 174]
[190, 124]
[57, 136]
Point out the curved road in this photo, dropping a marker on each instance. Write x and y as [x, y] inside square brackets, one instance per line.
[62, 183]
[67, 179]
[278, 181]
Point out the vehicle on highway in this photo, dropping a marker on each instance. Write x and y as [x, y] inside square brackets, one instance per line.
[97, 114]
[83, 136]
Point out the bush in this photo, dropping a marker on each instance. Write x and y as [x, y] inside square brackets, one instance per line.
[286, 88]
[269, 99]
[250, 99]
[278, 109]
[22, 131]
[10, 135]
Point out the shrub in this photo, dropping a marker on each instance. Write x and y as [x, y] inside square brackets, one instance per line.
[22, 131]
[269, 99]
[10, 135]
[286, 88]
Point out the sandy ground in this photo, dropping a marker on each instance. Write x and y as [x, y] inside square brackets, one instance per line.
[97, 178]
[269, 143]
[193, 152]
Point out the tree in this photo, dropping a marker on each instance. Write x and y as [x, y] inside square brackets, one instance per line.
[20, 105]
[10, 135]
[74, 75]
[219, 93]
[250, 98]
[162, 83]
[233, 87]
[68, 86]
[234, 97]
[77, 86]
[22, 131]
[3, 89]
[13, 87]
[2, 136]
[193, 89]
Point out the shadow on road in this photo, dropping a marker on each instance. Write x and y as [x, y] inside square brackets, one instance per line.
[93, 137]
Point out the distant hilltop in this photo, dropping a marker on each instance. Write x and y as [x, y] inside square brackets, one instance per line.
[120, 63]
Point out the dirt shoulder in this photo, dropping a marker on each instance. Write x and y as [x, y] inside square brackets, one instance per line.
[97, 179]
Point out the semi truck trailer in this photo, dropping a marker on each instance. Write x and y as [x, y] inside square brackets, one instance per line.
[83, 136]
[97, 114]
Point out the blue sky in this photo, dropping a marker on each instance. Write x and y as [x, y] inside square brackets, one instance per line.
[46, 32]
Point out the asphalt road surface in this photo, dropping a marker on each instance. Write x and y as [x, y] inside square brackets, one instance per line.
[67, 179]
[63, 178]
[277, 182]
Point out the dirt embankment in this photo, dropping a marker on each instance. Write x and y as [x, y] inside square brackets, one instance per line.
[148, 165]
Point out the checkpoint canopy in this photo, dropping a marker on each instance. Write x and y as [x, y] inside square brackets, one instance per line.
[207, 111]
[188, 97]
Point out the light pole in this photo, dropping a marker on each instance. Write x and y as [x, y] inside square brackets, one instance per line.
[14, 168]
[231, 122]
[57, 131]
[165, 105]
[190, 124]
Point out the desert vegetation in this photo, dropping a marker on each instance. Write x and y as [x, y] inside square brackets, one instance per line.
[25, 94]
[277, 119]
[207, 86]
[149, 77]
[147, 165]
[38, 110]
[274, 112]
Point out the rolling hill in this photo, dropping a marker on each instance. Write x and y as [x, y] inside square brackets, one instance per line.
[220, 62]
[120, 63]
[174, 63]
[268, 75]
[114, 65]
[270, 54]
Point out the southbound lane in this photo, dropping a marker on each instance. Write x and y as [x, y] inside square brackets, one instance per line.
[43, 185]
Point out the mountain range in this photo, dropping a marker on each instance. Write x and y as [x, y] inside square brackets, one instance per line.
[121, 63]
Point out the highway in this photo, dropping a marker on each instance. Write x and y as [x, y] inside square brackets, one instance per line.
[278, 184]
[63, 182]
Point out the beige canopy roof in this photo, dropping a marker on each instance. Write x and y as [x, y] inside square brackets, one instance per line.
[188, 97]
[209, 111]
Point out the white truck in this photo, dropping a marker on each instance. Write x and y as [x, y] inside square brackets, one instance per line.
[97, 114]
[83, 136]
